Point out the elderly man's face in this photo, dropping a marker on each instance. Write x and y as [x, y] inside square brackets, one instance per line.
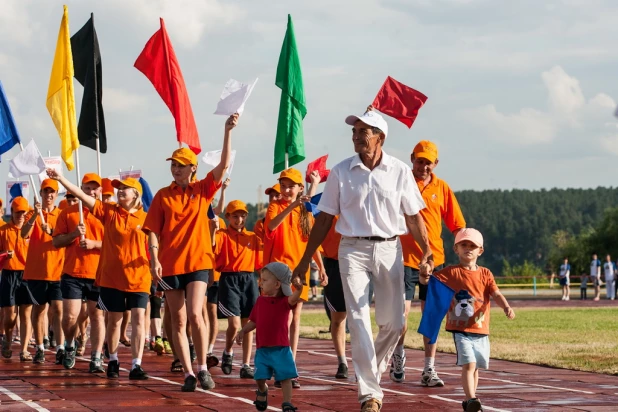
[364, 139]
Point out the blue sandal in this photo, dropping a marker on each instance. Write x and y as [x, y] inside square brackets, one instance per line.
[261, 405]
[288, 407]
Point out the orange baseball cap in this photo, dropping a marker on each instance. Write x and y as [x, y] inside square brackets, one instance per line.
[91, 177]
[427, 150]
[49, 183]
[108, 189]
[130, 182]
[235, 206]
[294, 175]
[276, 188]
[20, 204]
[470, 234]
[184, 156]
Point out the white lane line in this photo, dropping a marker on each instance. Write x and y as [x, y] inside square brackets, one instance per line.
[485, 408]
[17, 398]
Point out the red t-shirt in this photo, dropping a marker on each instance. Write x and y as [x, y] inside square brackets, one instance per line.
[271, 316]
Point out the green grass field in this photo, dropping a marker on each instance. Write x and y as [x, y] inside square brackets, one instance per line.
[581, 339]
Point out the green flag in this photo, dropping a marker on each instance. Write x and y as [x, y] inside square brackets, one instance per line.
[292, 108]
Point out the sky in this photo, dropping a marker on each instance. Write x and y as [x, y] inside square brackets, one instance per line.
[521, 94]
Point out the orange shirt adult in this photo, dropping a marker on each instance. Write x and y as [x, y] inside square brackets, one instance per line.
[441, 204]
[237, 251]
[79, 262]
[124, 261]
[10, 239]
[330, 245]
[180, 219]
[44, 261]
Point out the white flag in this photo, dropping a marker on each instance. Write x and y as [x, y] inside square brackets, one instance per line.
[28, 162]
[214, 158]
[234, 97]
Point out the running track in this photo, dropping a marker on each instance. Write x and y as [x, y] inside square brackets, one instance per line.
[508, 386]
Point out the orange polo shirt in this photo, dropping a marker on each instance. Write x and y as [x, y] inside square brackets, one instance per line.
[285, 244]
[44, 261]
[10, 239]
[180, 219]
[258, 229]
[215, 274]
[441, 204]
[78, 262]
[124, 261]
[237, 251]
[63, 204]
[330, 245]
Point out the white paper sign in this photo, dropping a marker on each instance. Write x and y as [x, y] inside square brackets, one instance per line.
[53, 162]
[234, 97]
[213, 158]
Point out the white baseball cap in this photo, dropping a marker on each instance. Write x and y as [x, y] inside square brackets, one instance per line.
[371, 118]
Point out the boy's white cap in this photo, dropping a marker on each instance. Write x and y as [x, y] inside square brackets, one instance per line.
[371, 118]
[470, 234]
[283, 274]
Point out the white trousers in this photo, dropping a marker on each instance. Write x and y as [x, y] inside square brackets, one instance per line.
[610, 287]
[381, 262]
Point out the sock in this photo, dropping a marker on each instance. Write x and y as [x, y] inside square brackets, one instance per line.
[113, 357]
[202, 368]
[399, 350]
[69, 345]
[211, 348]
[41, 346]
[342, 359]
[245, 364]
[230, 353]
[429, 363]
[59, 348]
[187, 374]
[135, 362]
[46, 338]
[96, 354]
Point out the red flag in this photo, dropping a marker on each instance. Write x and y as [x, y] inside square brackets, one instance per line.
[318, 164]
[159, 64]
[399, 101]
[4, 256]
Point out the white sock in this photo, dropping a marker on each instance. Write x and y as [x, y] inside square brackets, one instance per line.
[399, 350]
[113, 357]
[211, 348]
[41, 346]
[96, 354]
[202, 368]
[228, 353]
[187, 374]
[245, 364]
[342, 359]
[69, 344]
[59, 348]
[135, 362]
[429, 362]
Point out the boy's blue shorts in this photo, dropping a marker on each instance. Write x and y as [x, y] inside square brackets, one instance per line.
[275, 360]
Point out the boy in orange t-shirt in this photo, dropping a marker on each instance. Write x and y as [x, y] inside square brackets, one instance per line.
[468, 316]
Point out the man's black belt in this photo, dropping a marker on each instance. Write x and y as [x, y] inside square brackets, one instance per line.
[377, 238]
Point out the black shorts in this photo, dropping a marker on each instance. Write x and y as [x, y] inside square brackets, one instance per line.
[12, 289]
[42, 292]
[333, 291]
[155, 306]
[238, 292]
[114, 300]
[78, 288]
[411, 280]
[212, 293]
[180, 282]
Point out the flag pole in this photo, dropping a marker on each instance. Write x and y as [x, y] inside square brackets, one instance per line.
[287, 160]
[81, 211]
[36, 196]
[98, 157]
[96, 103]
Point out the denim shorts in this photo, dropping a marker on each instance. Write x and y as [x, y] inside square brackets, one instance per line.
[472, 349]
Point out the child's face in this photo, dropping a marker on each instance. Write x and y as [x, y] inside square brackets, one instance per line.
[237, 219]
[289, 189]
[269, 283]
[467, 251]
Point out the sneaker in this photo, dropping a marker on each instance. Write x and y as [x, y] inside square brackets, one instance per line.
[25, 357]
[211, 360]
[158, 346]
[430, 378]
[567, 298]
[113, 369]
[138, 374]
[472, 405]
[398, 368]
[39, 357]
[60, 357]
[6, 349]
[295, 383]
[342, 371]
[96, 365]
[69, 358]
[226, 363]
[246, 372]
[205, 379]
[190, 384]
[372, 405]
[52, 342]
[46, 343]
[167, 347]
[192, 353]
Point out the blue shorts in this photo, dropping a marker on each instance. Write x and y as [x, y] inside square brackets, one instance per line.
[564, 281]
[472, 349]
[275, 360]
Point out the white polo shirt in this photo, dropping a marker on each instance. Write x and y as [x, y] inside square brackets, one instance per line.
[371, 202]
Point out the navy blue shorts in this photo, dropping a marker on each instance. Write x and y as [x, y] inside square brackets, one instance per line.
[180, 282]
[13, 291]
[212, 293]
[114, 300]
[78, 288]
[333, 291]
[275, 360]
[411, 280]
[42, 292]
[564, 281]
[237, 293]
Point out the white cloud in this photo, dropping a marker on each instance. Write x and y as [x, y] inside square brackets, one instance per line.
[15, 22]
[565, 94]
[120, 100]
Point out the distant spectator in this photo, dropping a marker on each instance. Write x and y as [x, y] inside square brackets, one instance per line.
[583, 286]
[609, 272]
[595, 276]
[563, 274]
[314, 279]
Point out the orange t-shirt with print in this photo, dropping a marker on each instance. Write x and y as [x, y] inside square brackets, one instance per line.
[441, 205]
[79, 262]
[330, 245]
[44, 261]
[180, 219]
[124, 260]
[237, 251]
[470, 308]
[11, 240]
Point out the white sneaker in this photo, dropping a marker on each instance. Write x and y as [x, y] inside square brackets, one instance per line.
[398, 368]
[563, 298]
[567, 298]
[430, 378]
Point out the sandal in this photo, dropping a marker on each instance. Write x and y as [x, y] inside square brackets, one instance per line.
[25, 357]
[176, 366]
[125, 343]
[261, 405]
[288, 407]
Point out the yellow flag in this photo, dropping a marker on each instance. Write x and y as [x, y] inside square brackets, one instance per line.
[60, 96]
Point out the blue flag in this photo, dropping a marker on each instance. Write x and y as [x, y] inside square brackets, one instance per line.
[437, 304]
[9, 136]
[15, 191]
[312, 206]
[146, 194]
[211, 213]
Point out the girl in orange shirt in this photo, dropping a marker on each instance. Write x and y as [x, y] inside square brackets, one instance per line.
[124, 273]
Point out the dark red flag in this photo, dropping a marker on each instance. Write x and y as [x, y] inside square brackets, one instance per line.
[318, 164]
[159, 64]
[4, 256]
[399, 101]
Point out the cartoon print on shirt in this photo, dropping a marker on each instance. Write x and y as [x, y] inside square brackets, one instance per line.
[463, 310]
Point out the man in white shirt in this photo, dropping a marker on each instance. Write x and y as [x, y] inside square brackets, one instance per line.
[595, 276]
[377, 201]
[609, 271]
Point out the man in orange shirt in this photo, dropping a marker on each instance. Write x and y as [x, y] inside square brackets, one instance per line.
[441, 205]
[43, 269]
[83, 248]
[12, 291]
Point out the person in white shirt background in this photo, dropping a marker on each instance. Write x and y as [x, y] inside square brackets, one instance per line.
[563, 274]
[609, 273]
[595, 276]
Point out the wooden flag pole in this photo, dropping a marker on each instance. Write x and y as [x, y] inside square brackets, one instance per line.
[36, 196]
[98, 157]
[81, 211]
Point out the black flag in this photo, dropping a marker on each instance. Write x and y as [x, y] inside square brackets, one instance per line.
[87, 64]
